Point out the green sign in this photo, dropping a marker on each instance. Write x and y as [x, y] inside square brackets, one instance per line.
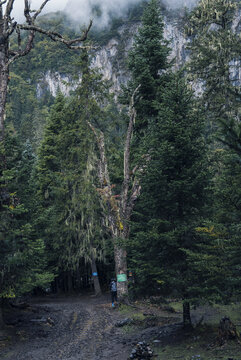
[121, 277]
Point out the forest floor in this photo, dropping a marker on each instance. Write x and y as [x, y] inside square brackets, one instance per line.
[87, 328]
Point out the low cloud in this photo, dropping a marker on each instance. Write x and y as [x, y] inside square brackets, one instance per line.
[52, 5]
[81, 11]
[100, 10]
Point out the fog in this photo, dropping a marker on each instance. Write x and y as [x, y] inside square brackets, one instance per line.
[81, 10]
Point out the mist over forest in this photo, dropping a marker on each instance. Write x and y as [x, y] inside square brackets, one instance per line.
[101, 11]
[120, 179]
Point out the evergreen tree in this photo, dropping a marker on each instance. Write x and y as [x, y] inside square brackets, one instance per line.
[23, 262]
[215, 57]
[147, 63]
[173, 195]
[67, 171]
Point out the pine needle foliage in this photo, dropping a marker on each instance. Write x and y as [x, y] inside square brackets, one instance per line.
[67, 170]
[215, 58]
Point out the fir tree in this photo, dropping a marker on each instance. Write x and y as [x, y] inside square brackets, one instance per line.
[173, 195]
[67, 170]
[23, 262]
[147, 63]
[215, 49]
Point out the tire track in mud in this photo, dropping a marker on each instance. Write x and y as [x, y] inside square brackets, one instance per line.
[83, 330]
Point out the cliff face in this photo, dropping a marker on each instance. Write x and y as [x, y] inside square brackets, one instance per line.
[111, 59]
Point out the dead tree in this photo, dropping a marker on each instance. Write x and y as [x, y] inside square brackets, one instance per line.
[9, 27]
[120, 207]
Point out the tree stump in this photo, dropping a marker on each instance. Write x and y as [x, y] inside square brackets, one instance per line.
[226, 331]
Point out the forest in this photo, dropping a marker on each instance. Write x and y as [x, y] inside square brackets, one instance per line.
[140, 184]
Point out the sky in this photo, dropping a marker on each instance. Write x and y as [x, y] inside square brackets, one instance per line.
[81, 9]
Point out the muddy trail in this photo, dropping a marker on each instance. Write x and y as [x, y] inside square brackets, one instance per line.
[76, 328]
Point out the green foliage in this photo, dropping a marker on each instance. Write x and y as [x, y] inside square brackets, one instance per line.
[22, 255]
[215, 49]
[72, 215]
[173, 194]
[147, 62]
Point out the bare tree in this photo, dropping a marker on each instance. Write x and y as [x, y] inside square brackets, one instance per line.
[8, 27]
[120, 207]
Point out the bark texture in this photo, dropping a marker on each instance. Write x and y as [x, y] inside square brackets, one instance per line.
[120, 207]
[2, 324]
[187, 322]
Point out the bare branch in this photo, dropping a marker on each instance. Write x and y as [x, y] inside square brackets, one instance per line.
[27, 49]
[136, 187]
[135, 193]
[27, 12]
[40, 9]
[126, 181]
[9, 8]
[19, 39]
[104, 173]
[11, 28]
[55, 36]
[3, 2]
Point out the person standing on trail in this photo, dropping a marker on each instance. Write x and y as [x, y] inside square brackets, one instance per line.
[113, 290]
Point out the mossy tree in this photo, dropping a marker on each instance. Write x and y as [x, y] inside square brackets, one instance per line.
[67, 170]
[215, 58]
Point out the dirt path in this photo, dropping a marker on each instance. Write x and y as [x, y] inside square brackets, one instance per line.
[82, 328]
[76, 329]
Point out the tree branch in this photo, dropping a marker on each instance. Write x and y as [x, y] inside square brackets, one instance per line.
[8, 10]
[27, 49]
[136, 186]
[40, 10]
[55, 36]
[9, 7]
[104, 173]
[11, 28]
[32, 28]
[126, 181]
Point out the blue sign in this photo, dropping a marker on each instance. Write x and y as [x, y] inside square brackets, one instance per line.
[95, 274]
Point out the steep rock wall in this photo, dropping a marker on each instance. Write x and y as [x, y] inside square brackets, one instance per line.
[111, 59]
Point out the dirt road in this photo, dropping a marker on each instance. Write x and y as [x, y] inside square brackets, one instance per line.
[75, 329]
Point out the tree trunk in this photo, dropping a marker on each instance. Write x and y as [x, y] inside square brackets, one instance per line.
[2, 324]
[4, 73]
[70, 282]
[121, 269]
[95, 277]
[187, 322]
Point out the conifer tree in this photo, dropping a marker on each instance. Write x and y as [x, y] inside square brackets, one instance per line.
[147, 62]
[22, 252]
[173, 195]
[67, 170]
[215, 58]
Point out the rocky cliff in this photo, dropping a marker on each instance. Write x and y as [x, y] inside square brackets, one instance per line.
[111, 58]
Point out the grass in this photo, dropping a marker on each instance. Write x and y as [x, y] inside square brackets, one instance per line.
[197, 344]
